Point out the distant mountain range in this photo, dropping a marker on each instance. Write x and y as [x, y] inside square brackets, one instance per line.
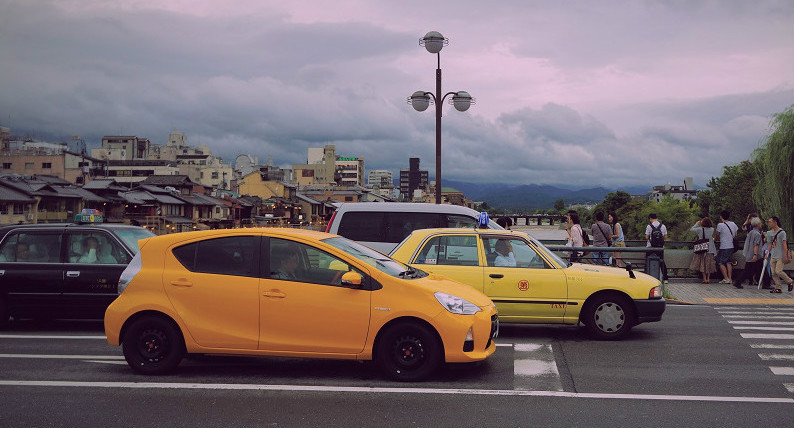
[533, 196]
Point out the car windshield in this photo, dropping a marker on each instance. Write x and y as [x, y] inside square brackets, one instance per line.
[373, 258]
[550, 253]
[131, 237]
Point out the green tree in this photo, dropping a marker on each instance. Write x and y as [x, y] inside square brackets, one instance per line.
[559, 206]
[733, 191]
[773, 162]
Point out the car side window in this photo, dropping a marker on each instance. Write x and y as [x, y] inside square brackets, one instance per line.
[32, 248]
[401, 224]
[95, 248]
[236, 255]
[460, 221]
[295, 261]
[512, 252]
[363, 226]
[449, 250]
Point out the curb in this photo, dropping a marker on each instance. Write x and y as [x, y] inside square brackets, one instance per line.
[678, 302]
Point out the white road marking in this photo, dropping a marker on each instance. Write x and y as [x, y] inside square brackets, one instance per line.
[753, 311]
[63, 357]
[534, 367]
[771, 317]
[738, 327]
[789, 386]
[504, 345]
[30, 336]
[770, 346]
[783, 371]
[763, 322]
[767, 336]
[121, 363]
[777, 357]
[379, 390]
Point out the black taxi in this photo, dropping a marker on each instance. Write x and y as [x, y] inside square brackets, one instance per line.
[67, 270]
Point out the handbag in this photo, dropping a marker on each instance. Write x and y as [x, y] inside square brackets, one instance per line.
[701, 245]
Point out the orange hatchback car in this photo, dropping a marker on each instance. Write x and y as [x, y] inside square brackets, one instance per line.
[292, 293]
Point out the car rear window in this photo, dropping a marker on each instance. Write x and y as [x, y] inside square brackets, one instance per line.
[392, 227]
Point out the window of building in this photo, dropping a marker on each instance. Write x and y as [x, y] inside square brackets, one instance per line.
[215, 175]
[46, 165]
[19, 209]
[28, 165]
[3, 208]
[6, 165]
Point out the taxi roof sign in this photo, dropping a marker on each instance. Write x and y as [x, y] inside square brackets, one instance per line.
[88, 215]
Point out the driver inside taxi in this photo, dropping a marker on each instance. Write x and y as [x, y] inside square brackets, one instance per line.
[504, 254]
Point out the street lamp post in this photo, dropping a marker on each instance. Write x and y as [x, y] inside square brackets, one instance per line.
[421, 100]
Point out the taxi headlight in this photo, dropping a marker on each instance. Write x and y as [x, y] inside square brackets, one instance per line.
[456, 305]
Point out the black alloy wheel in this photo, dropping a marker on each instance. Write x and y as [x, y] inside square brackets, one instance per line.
[408, 352]
[153, 345]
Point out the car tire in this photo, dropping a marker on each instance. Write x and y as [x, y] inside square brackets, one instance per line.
[153, 345]
[408, 352]
[608, 317]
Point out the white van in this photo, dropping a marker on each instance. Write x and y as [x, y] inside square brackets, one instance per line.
[383, 225]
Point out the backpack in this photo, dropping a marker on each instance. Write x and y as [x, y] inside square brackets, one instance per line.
[657, 238]
[585, 236]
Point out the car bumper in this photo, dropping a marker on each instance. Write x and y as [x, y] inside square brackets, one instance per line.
[484, 326]
[650, 310]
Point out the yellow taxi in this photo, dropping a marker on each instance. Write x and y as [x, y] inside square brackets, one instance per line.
[292, 293]
[530, 284]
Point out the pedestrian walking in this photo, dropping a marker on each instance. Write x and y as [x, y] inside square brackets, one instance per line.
[704, 262]
[618, 238]
[752, 253]
[656, 234]
[601, 238]
[575, 233]
[779, 255]
[726, 231]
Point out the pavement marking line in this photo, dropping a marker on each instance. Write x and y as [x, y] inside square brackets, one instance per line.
[770, 346]
[747, 301]
[733, 308]
[121, 363]
[776, 357]
[63, 357]
[740, 327]
[379, 390]
[534, 367]
[767, 336]
[783, 371]
[762, 322]
[29, 336]
[773, 317]
[789, 386]
[504, 345]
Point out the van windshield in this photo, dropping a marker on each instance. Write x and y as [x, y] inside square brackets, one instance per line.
[373, 258]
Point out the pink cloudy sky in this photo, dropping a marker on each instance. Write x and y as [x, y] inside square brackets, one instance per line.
[574, 93]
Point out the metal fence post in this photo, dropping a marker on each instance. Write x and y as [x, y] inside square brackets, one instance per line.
[653, 267]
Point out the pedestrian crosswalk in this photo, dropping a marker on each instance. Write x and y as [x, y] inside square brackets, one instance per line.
[770, 331]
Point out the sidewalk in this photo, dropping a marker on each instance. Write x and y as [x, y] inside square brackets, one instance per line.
[691, 291]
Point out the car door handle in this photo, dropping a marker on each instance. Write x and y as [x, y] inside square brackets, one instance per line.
[181, 283]
[72, 273]
[276, 294]
[496, 275]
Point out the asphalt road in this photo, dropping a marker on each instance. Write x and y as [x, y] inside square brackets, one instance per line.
[697, 367]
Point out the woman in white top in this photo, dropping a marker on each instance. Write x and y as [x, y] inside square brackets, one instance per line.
[618, 238]
[574, 230]
[704, 263]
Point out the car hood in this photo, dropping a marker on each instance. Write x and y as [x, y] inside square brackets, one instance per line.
[434, 283]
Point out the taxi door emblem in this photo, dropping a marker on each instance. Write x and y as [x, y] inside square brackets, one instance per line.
[523, 285]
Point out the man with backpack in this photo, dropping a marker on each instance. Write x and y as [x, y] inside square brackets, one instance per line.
[724, 239]
[656, 234]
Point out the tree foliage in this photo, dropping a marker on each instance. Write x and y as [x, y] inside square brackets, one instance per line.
[774, 162]
[732, 191]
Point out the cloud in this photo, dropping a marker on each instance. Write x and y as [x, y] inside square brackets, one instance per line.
[573, 93]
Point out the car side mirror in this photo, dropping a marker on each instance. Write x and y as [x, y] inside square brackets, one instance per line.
[351, 279]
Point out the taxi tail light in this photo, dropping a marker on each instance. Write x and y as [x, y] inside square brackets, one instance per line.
[468, 344]
[330, 222]
[655, 293]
